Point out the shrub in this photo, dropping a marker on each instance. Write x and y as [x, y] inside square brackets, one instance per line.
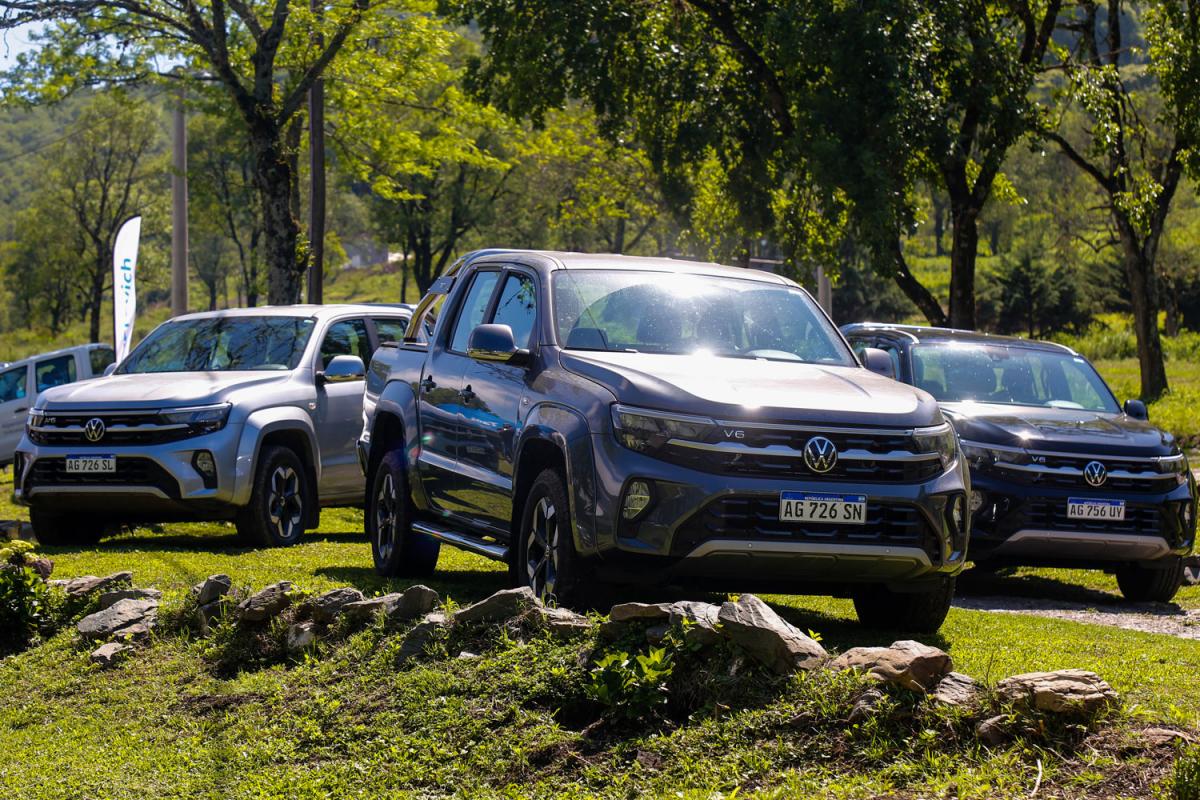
[24, 597]
[632, 687]
[1185, 782]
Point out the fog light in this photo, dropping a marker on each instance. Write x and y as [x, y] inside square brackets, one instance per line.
[637, 499]
[206, 465]
[977, 499]
[956, 512]
[1188, 520]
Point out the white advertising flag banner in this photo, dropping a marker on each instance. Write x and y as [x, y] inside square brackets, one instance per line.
[125, 253]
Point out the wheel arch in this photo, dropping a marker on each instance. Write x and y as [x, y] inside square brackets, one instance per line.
[558, 437]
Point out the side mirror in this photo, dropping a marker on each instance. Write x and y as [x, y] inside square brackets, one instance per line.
[1136, 409]
[343, 369]
[879, 362]
[110, 369]
[495, 343]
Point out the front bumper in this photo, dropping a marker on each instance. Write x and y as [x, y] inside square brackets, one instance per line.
[725, 529]
[1028, 525]
[156, 482]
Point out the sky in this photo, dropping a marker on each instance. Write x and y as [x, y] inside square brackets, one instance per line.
[14, 42]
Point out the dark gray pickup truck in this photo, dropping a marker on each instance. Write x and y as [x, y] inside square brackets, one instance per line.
[606, 418]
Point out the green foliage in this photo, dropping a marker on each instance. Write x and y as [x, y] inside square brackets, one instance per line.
[24, 597]
[1185, 778]
[632, 687]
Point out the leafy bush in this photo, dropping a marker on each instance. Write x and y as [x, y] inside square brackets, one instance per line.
[632, 687]
[1185, 783]
[24, 597]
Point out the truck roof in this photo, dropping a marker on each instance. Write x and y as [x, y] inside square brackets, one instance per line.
[556, 260]
[300, 310]
[923, 333]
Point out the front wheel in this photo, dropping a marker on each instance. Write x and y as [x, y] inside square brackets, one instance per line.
[546, 560]
[922, 612]
[1141, 584]
[69, 530]
[397, 549]
[279, 501]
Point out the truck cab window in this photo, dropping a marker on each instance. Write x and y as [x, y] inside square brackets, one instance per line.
[346, 338]
[517, 308]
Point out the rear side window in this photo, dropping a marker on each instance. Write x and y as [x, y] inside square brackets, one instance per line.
[390, 330]
[55, 372]
[12, 383]
[100, 358]
[346, 338]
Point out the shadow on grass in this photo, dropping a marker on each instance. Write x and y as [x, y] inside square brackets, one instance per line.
[142, 540]
[465, 586]
[976, 582]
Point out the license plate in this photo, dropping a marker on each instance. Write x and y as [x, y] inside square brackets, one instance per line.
[1078, 508]
[91, 464]
[843, 509]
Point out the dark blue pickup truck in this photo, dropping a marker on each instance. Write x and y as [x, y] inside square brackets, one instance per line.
[606, 418]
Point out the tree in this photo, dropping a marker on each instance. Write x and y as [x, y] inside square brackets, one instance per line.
[821, 114]
[41, 265]
[263, 55]
[95, 179]
[1129, 121]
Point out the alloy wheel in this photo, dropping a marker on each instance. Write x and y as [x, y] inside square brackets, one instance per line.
[285, 506]
[386, 506]
[541, 550]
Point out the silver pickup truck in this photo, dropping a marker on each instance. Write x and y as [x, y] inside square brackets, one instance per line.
[248, 415]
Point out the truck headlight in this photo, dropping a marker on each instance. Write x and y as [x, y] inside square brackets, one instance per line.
[981, 455]
[35, 419]
[646, 430]
[940, 439]
[199, 419]
[1173, 465]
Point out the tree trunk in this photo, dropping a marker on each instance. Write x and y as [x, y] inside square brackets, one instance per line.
[619, 236]
[273, 177]
[1143, 294]
[939, 224]
[921, 297]
[963, 249]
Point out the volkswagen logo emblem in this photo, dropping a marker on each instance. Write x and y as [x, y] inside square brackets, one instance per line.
[1095, 473]
[93, 429]
[820, 454]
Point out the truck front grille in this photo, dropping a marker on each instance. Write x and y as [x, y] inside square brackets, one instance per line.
[121, 428]
[131, 471]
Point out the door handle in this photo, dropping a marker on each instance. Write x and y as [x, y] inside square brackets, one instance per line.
[467, 394]
[428, 384]
[20, 410]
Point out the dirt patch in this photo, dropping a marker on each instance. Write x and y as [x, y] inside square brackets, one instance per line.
[1164, 618]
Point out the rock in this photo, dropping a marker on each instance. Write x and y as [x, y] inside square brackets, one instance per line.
[211, 589]
[414, 602]
[701, 621]
[906, 663]
[957, 689]
[656, 633]
[767, 637]
[119, 617]
[85, 585]
[138, 631]
[41, 565]
[700, 618]
[500, 607]
[326, 607]
[421, 635]
[267, 603]
[866, 705]
[301, 636]
[1156, 737]
[564, 623]
[1071, 692]
[110, 597]
[640, 612]
[366, 609]
[107, 655]
[467, 655]
[991, 731]
[205, 615]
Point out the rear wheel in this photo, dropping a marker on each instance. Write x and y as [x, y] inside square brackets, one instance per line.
[922, 612]
[58, 530]
[546, 560]
[279, 501]
[397, 549]
[1160, 584]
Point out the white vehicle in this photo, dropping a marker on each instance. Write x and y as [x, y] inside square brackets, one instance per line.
[22, 381]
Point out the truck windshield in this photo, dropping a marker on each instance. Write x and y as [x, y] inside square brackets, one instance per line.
[661, 312]
[222, 344]
[955, 372]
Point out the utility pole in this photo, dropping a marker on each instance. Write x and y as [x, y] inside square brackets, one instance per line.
[824, 291]
[316, 169]
[179, 215]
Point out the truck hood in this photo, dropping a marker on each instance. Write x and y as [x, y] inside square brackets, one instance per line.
[1064, 430]
[157, 390]
[755, 389]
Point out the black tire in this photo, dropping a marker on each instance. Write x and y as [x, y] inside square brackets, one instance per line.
[546, 560]
[1141, 584]
[398, 550]
[922, 612]
[280, 500]
[65, 530]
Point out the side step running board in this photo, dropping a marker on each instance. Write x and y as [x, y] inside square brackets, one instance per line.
[491, 550]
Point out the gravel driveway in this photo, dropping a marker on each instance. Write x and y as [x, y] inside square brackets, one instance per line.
[1165, 618]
